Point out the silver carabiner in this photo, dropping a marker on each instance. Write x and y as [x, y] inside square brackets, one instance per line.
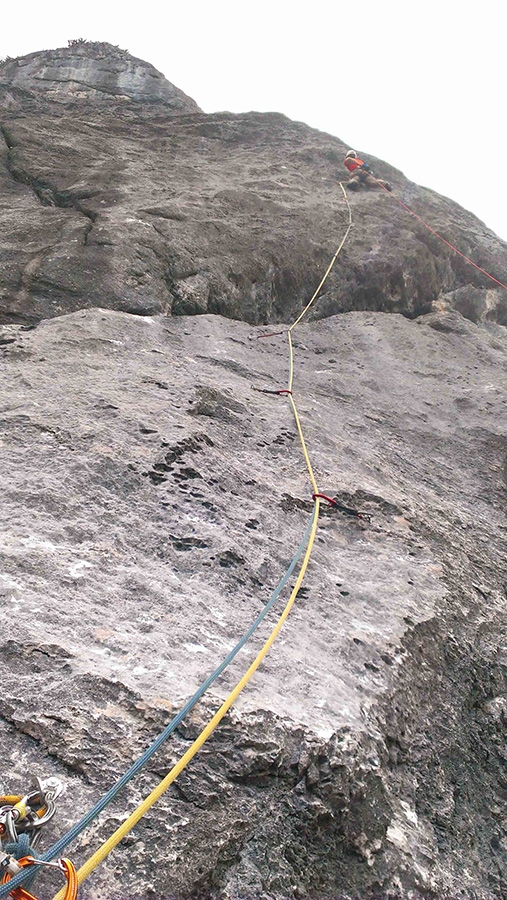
[36, 822]
[10, 827]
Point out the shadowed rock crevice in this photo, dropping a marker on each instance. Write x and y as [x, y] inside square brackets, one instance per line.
[45, 192]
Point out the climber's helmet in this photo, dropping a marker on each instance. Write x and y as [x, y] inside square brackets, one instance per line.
[350, 153]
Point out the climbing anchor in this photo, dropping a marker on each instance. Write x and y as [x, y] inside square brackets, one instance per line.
[21, 820]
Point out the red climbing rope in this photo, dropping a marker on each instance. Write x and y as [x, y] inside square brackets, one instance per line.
[439, 236]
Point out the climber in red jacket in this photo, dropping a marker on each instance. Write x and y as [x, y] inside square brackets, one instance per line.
[360, 174]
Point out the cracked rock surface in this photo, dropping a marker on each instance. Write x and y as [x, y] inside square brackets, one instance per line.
[117, 191]
[151, 501]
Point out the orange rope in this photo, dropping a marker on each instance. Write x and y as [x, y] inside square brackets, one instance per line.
[439, 236]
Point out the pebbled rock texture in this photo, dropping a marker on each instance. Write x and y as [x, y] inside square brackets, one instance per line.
[151, 498]
[116, 191]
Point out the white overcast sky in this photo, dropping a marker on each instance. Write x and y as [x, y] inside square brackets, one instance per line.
[420, 84]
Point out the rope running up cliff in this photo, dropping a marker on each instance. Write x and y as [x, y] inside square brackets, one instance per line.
[88, 867]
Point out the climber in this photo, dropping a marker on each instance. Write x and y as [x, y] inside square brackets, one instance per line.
[361, 174]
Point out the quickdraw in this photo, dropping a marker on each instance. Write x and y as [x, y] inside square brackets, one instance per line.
[267, 391]
[347, 510]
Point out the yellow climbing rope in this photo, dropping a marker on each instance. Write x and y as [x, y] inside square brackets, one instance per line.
[88, 867]
[301, 438]
[327, 272]
[155, 795]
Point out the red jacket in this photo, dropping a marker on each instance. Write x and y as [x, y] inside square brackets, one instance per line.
[352, 163]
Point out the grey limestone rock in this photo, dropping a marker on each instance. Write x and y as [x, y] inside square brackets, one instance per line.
[96, 71]
[151, 500]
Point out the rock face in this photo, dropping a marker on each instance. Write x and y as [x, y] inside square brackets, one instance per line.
[151, 500]
[93, 71]
[150, 206]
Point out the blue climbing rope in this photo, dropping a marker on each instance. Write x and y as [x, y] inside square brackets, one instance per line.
[57, 848]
